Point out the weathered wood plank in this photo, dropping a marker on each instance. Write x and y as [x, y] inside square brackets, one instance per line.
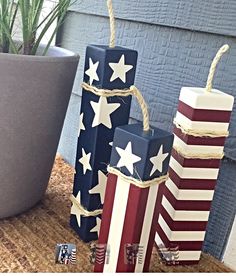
[169, 58]
[214, 16]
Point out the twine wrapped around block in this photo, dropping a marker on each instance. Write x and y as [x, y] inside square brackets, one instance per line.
[84, 212]
[189, 155]
[199, 132]
[136, 182]
[132, 91]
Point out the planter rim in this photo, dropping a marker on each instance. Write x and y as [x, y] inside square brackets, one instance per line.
[55, 54]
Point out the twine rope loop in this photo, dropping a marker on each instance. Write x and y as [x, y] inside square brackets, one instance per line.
[216, 60]
[122, 93]
[112, 24]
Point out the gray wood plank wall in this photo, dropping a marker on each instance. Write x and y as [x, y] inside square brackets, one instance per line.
[176, 41]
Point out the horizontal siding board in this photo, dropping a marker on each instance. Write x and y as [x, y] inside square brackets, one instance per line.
[223, 210]
[169, 58]
[215, 16]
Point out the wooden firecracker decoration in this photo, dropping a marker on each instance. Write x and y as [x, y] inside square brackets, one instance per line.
[109, 68]
[139, 163]
[201, 127]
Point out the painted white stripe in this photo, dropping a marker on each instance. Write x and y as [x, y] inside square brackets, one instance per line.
[182, 194]
[117, 222]
[182, 215]
[193, 173]
[180, 235]
[182, 255]
[199, 99]
[196, 149]
[199, 125]
[147, 224]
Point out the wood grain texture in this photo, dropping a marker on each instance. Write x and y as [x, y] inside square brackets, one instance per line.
[214, 16]
[168, 59]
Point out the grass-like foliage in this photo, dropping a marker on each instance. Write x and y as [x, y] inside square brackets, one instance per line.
[32, 28]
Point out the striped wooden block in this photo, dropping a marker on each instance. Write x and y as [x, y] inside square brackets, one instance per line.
[130, 213]
[186, 197]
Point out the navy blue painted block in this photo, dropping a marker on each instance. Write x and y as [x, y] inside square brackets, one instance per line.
[108, 68]
[106, 56]
[142, 155]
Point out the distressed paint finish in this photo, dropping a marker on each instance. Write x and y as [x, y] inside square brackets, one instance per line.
[169, 58]
[208, 16]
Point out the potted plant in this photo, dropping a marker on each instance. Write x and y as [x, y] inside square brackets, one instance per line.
[35, 86]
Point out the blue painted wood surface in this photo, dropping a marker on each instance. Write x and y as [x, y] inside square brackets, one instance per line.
[169, 58]
[97, 134]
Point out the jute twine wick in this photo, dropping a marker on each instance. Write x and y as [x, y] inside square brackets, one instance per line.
[216, 60]
[133, 90]
[112, 24]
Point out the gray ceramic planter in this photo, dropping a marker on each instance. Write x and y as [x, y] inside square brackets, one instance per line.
[34, 96]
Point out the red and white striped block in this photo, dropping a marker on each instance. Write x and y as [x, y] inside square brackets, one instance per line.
[130, 213]
[186, 197]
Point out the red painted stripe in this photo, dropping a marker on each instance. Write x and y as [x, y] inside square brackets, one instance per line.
[183, 225]
[203, 141]
[204, 115]
[106, 216]
[195, 163]
[152, 232]
[188, 205]
[191, 184]
[182, 245]
[133, 224]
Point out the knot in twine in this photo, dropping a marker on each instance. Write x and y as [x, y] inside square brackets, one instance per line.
[216, 60]
[122, 93]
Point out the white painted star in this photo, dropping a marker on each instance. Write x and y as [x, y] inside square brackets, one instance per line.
[111, 144]
[76, 211]
[120, 69]
[100, 188]
[85, 161]
[81, 123]
[127, 158]
[158, 160]
[102, 111]
[97, 227]
[92, 71]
